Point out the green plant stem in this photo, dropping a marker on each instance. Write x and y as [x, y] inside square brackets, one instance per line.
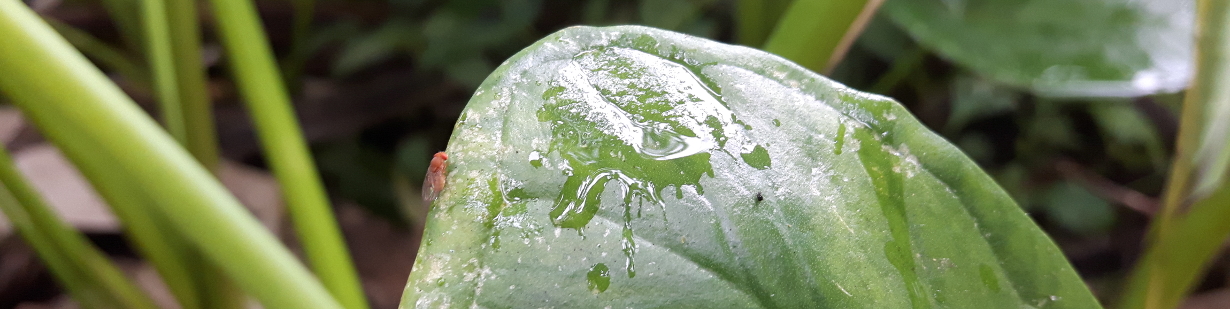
[81, 267]
[151, 233]
[107, 55]
[252, 63]
[902, 67]
[293, 64]
[74, 104]
[817, 33]
[1210, 148]
[162, 66]
[165, 249]
[198, 115]
[173, 52]
[1178, 258]
[1182, 243]
[755, 19]
[126, 15]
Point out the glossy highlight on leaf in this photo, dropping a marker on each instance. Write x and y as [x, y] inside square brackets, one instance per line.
[635, 167]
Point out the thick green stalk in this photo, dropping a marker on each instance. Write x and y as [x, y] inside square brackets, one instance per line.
[56, 87]
[81, 267]
[252, 63]
[1209, 99]
[198, 115]
[1178, 258]
[173, 52]
[817, 33]
[1181, 243]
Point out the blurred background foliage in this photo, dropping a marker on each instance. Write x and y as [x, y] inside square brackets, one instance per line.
[1070, 105]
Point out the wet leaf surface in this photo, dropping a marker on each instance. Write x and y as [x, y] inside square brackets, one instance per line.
[634, 167]
[1100, 48]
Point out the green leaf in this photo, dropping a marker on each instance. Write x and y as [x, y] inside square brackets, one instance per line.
[1078, 210]
[362, 51]
[1116, 48]
[975, 98]
[1130, 138]
[635, 167]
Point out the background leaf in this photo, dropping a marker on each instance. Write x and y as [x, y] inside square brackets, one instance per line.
[630, 166]
[1116, 48]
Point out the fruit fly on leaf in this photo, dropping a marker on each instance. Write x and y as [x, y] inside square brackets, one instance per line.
[434, 182]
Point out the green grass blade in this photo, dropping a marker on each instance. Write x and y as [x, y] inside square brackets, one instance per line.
[56, 87]
[90, 278]
[293, 64]
[197, 116]
[162, 66]
[251, 61]
[902, 67]
[755, 19]
[185, 31]
[153, 236]
[1177, 259]
[107, 55]
[817, 33]
[1182, 242]
[126, 16]
[173, 52]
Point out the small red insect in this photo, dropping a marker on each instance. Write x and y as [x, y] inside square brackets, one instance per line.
[434, 182]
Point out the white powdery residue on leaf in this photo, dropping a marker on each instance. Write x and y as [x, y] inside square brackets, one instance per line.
[434, 300]
[907, 164]
[480, 277]
[843, 289]
[778, 74]
[436, 271]
[690, 197]
[471, 203]
[471, 275]
[503, 222]
[793, 84]
[857, 95]
[435, 267]
[748, 92]
[503, 98]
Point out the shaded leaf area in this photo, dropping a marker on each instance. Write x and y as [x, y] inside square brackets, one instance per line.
[634, 167]
[1100, 48]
